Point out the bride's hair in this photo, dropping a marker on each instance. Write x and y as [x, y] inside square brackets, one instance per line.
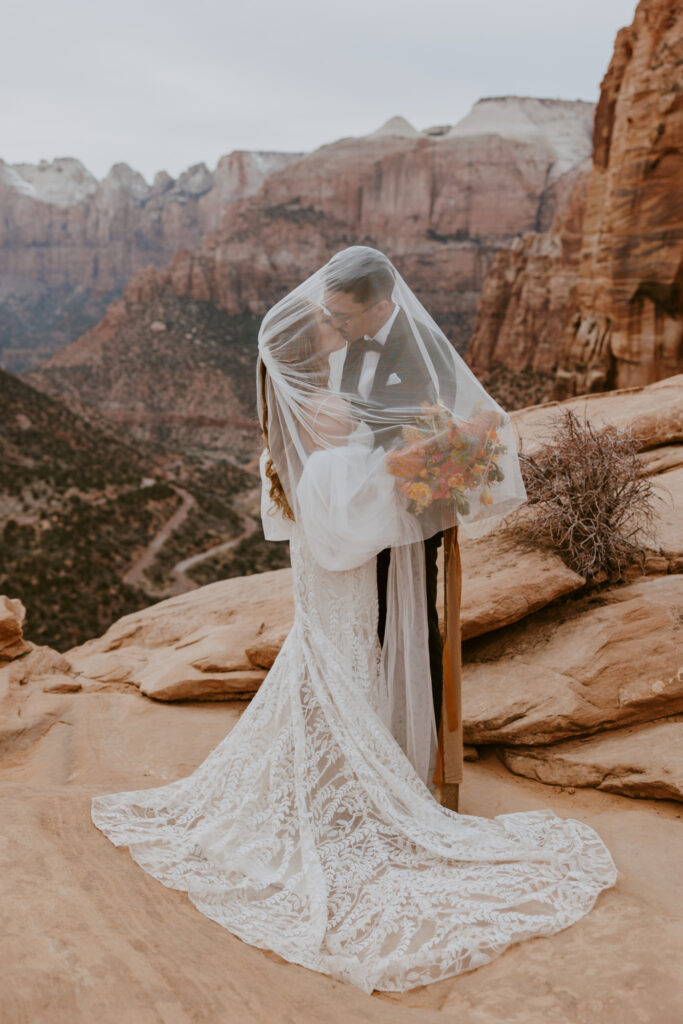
[277, 493]
[296, 344]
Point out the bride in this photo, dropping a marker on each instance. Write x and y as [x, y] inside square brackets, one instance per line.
[312, 829]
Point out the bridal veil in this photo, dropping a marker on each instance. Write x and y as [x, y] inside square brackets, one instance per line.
[381, 440]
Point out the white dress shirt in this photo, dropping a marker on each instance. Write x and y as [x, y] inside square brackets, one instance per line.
[371, 359]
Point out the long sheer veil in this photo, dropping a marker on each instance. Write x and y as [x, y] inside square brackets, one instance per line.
[381, 439]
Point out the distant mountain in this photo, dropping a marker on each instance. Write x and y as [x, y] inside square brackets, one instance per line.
[440, 202]
[69, 243]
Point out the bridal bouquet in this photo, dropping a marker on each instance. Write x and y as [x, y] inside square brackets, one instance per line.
[442, 459]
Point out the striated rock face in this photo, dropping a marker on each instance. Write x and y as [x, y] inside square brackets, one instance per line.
[69, 243]
[440, 202]
[597, 299]
[626, 325]
[654, 413]
[524, 305]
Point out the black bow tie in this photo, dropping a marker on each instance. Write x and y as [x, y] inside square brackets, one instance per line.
[370, 345]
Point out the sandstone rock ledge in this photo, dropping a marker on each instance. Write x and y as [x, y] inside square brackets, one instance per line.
[580, 690]
[215, 643]
[612, 662]
[643, 760]
[88, 936]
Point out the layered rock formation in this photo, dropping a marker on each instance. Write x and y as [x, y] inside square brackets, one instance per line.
[578, 693]
[607, 313]
[644, 760]
[545, 660]
[627, 324]
[69, 243]
[525, 300]
[441, 202]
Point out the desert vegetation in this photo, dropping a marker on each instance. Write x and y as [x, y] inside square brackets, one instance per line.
[589, 496]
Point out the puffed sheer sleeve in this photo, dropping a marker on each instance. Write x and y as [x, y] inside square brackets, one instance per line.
[349, 508]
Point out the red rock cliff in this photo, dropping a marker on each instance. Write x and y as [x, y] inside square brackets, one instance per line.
[440, 202]
[524, 303]
[598, 299]
[626, 325]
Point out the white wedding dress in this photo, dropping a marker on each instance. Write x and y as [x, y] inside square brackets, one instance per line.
[307, 830]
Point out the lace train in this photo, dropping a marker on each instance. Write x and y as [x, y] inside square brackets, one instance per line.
[308, 832]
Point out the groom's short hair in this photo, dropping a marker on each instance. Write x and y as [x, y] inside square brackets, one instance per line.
[367, 278]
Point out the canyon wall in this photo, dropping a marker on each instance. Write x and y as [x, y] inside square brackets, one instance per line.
[524, 305]
[626, 325]
[441, 202]
[598, 299]
[69, 243]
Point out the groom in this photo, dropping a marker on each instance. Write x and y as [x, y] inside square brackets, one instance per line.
[384, 367]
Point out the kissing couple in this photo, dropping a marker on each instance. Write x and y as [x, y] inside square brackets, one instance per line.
[313, 829]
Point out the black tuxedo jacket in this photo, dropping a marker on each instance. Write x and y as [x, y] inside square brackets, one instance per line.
[399, 357]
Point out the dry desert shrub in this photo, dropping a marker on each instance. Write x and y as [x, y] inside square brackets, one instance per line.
[588, 495]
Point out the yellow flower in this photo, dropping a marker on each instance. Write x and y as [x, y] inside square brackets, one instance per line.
[420, 493]
[486, 496]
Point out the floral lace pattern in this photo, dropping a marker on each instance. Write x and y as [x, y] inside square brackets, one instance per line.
[308, 832]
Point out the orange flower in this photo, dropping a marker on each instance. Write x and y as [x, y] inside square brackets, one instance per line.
[407, 462]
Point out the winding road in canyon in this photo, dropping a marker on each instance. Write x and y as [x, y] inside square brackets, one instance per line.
[182, 582]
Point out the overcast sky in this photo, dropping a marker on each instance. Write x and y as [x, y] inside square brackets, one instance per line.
[164, 84]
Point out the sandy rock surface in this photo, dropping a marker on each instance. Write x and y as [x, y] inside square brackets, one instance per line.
[655, 412]
[614, 661]
[668, 489]
[195, 645]
[505, 578]
[217, 641]
[87, 935]
[643, 760]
